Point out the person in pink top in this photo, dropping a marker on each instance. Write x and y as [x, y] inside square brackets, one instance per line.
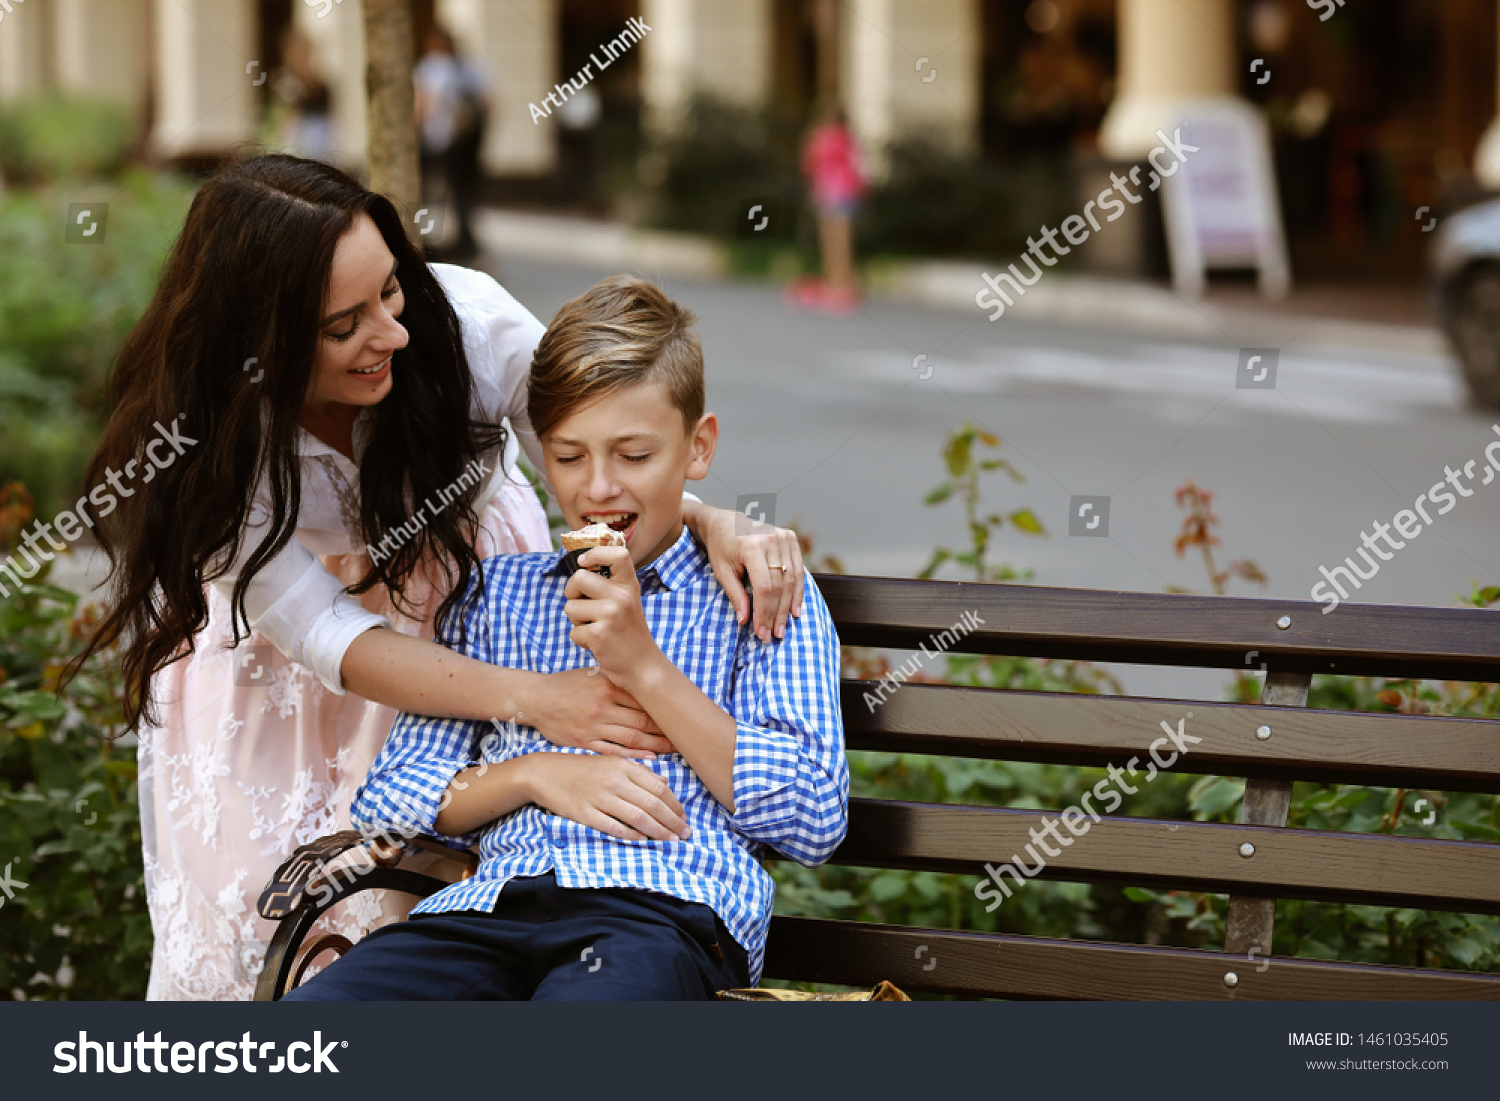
[830, 161]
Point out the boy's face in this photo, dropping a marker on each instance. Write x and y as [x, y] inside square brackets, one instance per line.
[623, 460]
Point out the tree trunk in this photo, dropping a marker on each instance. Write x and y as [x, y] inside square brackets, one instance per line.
[395, 169]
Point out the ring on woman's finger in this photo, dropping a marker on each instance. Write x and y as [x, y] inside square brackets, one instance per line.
[777, 566]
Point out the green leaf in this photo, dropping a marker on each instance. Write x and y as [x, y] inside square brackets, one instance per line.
[939, 556]
[1213, 795]
[939, 495]
[1026, 520]
[958, 455]
[1465, 950]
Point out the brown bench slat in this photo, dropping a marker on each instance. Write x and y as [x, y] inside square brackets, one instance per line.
[1374, 869]
[1169, 628]
[1005, 966]
[1306, 744]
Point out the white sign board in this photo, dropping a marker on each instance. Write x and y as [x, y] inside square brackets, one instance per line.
[1220, 206]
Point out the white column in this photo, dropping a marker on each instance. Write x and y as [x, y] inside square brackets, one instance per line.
[1487, 153]
[205, 99]
[1168, 55]
[103, 49]
[719, 47]
[517, 43]
[339, 55]
[911, 66]
[24, 36]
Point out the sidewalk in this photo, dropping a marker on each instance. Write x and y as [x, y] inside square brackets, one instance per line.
[1377, 319]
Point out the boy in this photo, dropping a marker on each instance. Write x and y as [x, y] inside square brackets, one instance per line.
[603, 877]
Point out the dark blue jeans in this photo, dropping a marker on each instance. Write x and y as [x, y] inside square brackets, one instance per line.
[545, 943]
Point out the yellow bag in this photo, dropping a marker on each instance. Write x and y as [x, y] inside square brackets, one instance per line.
[883, 992]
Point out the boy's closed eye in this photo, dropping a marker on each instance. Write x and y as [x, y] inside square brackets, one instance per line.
[568, 460]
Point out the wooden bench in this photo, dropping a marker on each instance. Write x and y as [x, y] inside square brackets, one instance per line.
[1271, 744]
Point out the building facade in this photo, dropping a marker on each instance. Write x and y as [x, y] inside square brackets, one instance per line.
[1376, 110]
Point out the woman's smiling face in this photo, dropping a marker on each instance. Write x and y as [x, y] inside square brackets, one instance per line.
[359, 332]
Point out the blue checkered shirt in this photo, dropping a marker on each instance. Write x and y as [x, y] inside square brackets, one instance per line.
[791, 781]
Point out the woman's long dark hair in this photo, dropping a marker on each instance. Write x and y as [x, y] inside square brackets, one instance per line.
[247, 279]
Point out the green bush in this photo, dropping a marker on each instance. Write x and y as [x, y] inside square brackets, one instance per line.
[64, 310]
[720, 155]
[935, 201]
[69, 815]
[51, 137]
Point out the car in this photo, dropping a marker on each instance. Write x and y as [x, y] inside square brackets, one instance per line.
[1465, 264]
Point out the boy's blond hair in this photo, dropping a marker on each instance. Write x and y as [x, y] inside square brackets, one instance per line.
[621, 332]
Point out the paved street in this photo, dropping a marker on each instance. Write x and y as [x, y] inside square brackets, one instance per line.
[831, 416]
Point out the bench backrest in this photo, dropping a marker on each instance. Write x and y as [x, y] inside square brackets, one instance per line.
[1271, 744]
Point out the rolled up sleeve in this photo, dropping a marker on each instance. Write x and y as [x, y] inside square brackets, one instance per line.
[791, 778]
[314, 621]
[407, 787]
[299, 606]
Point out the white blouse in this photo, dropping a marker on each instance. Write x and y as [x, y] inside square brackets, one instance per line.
[294, 601]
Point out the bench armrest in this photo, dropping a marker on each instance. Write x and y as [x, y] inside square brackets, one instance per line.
[289, 885]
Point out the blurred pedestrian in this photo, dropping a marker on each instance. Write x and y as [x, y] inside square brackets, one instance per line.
[452, 108]
[830, 161]
[302, 114]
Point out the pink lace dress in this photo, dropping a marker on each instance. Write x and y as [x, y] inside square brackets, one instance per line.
[260, 749]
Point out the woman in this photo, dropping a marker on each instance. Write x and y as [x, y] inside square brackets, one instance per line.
[337, 477]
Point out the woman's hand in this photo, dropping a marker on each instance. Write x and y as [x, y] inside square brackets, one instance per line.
[760, 552]
[624, 799]
[580, 708]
